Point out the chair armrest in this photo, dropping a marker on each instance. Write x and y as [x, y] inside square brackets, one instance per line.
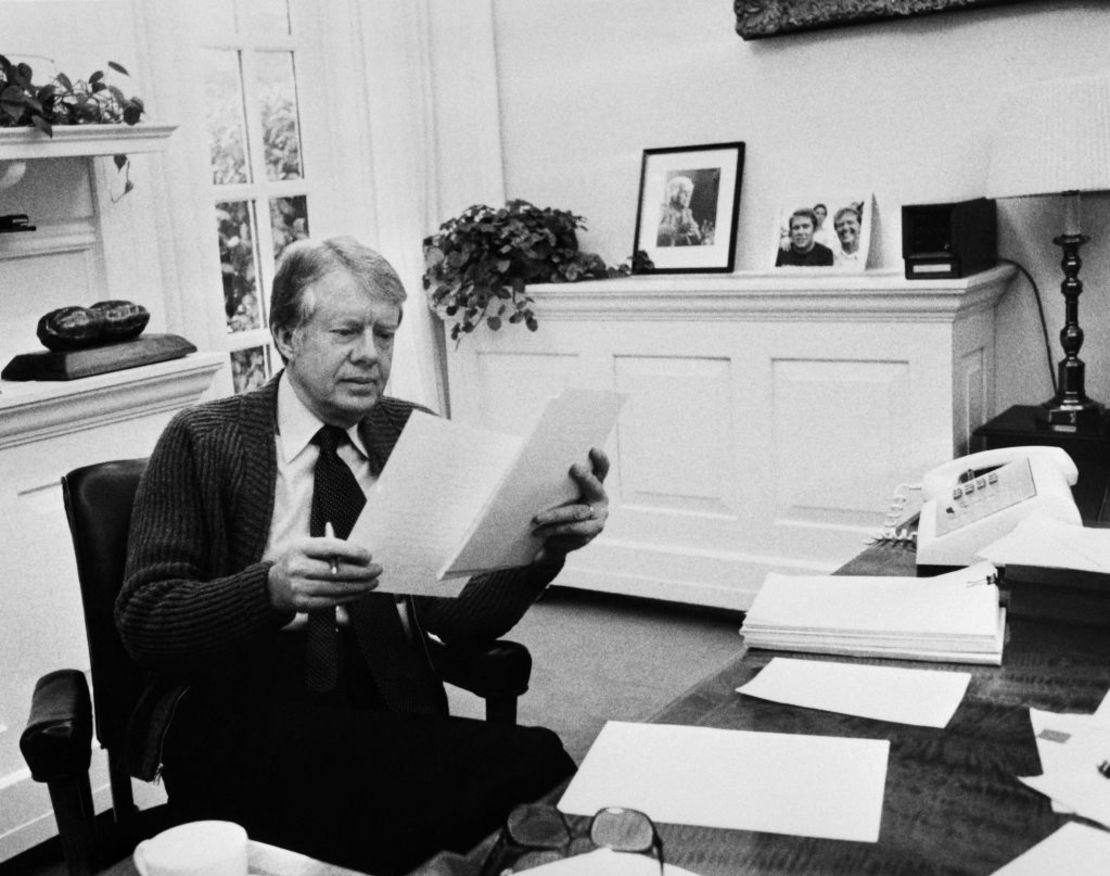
[57, 741]
[499, 670]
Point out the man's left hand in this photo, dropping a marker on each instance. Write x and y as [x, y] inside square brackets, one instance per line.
[574, 525]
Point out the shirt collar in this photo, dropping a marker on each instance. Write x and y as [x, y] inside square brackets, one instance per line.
[297, 424]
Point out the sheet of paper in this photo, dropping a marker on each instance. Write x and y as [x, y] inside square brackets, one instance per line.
[538, 479]
[609, 863]
[1075, 849]
[886, 693]
[436, 481]
[786, 783]
[1039, 540]
[1072, 776]
[1051, 730]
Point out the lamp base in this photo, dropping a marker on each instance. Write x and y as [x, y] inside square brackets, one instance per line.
[1069, 416]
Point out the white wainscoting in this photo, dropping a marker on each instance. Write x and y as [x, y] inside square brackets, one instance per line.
[769, 419]
[47, 429]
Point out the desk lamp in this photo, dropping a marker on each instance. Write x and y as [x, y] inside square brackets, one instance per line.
[1053, 138]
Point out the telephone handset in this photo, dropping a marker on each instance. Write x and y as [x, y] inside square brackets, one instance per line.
[975, 500]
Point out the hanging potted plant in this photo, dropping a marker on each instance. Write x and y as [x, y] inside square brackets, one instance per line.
[478, 266]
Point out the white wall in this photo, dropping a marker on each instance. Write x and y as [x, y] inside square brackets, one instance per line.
[901, 108]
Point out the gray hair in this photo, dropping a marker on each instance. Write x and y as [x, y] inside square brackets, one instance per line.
[306, 261]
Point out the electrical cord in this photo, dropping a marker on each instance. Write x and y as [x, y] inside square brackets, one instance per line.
[1044, 325]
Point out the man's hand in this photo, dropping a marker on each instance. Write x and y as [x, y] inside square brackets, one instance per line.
[302, 578]
[574, 525]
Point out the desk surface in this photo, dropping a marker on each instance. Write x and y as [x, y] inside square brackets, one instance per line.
[952, 803]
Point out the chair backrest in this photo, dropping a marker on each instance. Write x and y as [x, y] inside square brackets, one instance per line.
[98, 500]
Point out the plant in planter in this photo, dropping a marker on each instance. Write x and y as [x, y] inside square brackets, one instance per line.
[478, 265]
[66, 101]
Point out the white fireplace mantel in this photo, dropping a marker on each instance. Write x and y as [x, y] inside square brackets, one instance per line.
[40, 410]
[770, 416]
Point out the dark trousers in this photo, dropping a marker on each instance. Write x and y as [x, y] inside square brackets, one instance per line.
[338, 778]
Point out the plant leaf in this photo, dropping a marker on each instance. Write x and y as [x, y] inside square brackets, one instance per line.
[119, 68]
[120, 161]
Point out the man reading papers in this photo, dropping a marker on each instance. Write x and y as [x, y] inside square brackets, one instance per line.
[284, 693]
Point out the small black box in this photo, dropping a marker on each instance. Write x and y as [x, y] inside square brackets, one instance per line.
[940, 241]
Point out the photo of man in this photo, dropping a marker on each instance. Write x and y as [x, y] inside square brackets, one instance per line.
[804, 251]
[689, 210]
[847, 224]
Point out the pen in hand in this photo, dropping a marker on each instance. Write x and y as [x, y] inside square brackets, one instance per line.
[333, 561]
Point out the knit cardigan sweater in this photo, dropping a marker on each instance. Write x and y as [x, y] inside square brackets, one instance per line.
[194, 607]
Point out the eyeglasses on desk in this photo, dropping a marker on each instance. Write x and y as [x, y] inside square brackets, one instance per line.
[538, 833]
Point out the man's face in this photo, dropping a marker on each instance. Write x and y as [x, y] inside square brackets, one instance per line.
[680, 196]
[801, 233]
[847, 229]
[339, 361]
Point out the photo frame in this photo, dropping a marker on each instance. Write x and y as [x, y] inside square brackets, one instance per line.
[759, 19]
[823, 230]
[688, 207]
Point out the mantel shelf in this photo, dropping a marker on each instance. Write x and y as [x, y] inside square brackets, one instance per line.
[804, 295]
[21, 144]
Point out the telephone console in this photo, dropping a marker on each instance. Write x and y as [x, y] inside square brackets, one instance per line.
[975, 500]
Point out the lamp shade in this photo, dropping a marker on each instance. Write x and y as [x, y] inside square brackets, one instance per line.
[1052, 137]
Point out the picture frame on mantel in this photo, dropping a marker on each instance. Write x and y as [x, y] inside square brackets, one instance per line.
[758, 19]
[688, 207]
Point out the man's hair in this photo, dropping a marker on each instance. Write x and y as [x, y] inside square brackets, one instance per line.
[803, 213]
[306, 261]
[844, 210]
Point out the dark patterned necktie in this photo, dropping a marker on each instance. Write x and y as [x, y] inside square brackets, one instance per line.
[336, 499]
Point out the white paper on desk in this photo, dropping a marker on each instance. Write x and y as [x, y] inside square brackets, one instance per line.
[1051, 730]
[923, 697]
[1075, 849]
[434, 485]
[609, 863]
[1039, 540]
[785, 783]
[537, 479]
[1074, 779]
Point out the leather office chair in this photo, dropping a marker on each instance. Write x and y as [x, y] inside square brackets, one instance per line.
[57, 741]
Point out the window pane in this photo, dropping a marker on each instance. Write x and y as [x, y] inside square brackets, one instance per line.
[249, 368]
[223, 97]
[239, 264]
[265, 16]
[288, 221]
[281, 136]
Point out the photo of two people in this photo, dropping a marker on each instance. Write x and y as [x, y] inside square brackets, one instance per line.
[824, 233]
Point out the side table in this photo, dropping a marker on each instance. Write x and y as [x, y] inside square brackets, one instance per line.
[1089, 449]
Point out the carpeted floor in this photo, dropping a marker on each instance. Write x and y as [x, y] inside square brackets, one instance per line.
[599, 657]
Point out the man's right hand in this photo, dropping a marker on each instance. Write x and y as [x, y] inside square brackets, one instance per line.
[301, 579]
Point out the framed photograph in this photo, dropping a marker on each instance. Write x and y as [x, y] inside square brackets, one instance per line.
[689, 201]
[823, 230]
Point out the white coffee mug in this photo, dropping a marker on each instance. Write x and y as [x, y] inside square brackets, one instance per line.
[197, 848]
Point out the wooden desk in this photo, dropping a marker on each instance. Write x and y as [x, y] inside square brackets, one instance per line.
[952, 802]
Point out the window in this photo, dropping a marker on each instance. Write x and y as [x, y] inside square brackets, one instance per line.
[260, 190]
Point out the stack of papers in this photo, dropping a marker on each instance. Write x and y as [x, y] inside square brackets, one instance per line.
[952, 617]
